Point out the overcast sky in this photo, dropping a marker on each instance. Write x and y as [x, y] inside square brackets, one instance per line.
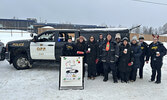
[110, 12]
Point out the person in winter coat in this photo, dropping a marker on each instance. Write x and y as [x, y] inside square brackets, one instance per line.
[136, 53]
[80, 46]
[80, 50]
[125, 60]
[69, 48]
[118, 41]
[144, 55]
[91, 57]
[156, 51]
[110, 56]
[99, 65]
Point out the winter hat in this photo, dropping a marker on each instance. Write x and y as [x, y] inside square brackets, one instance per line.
[118, 36]
[125, 38]
[81, 37]
[134, 38]
[141, 37]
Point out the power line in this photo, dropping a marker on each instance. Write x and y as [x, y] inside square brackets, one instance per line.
[157, 3]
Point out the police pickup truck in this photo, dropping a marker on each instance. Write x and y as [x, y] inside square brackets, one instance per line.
[2, 51]
[47, 46]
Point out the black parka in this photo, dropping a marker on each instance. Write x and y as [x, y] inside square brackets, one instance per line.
[93, 55]
[124, 59]
[112, 55]
[100, 43]
[69, 49]
[81, 47]
[157, 47]
[144, 48]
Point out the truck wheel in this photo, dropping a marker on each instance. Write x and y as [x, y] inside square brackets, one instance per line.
[21, 62]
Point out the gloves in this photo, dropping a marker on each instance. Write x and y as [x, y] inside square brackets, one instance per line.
[87, 51]
[97, 60]
[80, 52]
[130, 64]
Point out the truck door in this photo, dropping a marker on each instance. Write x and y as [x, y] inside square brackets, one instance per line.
[44, 47]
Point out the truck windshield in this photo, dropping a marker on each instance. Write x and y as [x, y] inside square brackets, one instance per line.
[46, 37]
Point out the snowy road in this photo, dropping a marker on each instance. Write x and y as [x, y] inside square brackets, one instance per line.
[41, 82]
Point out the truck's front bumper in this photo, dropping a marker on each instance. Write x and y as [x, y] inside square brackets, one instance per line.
[2, 54]
[7, 56]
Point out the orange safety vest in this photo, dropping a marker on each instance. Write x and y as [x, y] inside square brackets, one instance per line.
[108, 46]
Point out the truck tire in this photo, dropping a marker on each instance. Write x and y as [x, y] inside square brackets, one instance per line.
[21, 62]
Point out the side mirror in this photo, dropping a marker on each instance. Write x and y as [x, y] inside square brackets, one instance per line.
[31, 35]
[35, 39]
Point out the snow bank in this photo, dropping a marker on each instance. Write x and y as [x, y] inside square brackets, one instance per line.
[7, 35]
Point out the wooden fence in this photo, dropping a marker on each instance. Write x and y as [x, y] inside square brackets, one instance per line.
[148, 37]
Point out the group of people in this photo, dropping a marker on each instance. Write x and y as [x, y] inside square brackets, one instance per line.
[121, 56]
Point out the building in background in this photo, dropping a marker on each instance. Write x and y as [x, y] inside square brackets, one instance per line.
[31, 24]
[41, 27]
[19, 24]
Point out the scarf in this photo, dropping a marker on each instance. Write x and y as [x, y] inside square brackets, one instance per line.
[108, 46]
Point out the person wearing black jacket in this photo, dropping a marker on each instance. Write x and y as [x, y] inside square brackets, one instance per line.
[118, 41]
[144, 55]
[136, 54]
[69, 48]
[110, 54]
[156, 51]
[99, 65]
[80, 50]
[91, 57]
[125, 60]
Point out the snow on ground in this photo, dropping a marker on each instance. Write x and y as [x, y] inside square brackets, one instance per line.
[7, 35]
[42, 82]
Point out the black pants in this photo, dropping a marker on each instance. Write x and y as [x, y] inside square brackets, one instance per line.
[141, 67]
[107, 67]
[118, 72]
[91, 69]
[133, 73]
[99, 68]
[124, 76]
[156, 69]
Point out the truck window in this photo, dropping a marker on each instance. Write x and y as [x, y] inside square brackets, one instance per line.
[63, 36]
[47, 37]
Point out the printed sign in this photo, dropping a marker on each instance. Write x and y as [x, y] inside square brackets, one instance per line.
[71, 73]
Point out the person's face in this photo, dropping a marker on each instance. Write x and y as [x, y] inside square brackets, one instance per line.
[118, 39]
[134, 41]
[108, 37]
[81, 40]
[155, 40]
[69, 40]
[141, 40]
[91, 39]
[125, 42]
[101, 36]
